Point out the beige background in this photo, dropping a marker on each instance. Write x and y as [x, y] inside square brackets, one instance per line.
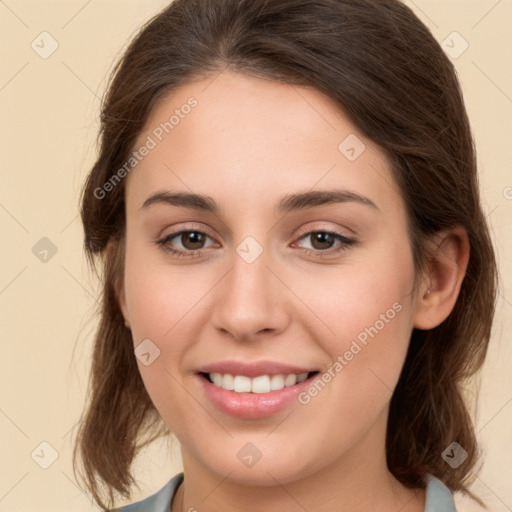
[49, 110]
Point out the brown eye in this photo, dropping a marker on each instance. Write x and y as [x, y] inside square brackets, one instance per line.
[192, 240]
[325, 241]
[184, 243]
[322, 240]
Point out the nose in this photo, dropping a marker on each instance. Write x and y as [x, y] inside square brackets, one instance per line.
[251, 301]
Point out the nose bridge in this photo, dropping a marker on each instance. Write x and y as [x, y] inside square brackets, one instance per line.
[249, 300]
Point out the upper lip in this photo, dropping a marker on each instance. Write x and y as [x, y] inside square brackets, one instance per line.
[253, 369]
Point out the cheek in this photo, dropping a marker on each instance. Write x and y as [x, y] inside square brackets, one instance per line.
[158, 295]
[366, 322]
[365, 294]
[158, 301]
[166, 304]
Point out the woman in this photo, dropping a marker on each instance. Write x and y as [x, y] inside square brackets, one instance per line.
[298, 275]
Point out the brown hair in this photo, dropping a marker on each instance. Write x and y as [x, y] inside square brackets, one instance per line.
[383, 67]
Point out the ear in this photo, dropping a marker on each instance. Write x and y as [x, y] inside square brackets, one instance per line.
[446, 270]
[115, 253]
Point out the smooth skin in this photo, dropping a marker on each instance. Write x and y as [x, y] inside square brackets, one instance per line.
[248, 143]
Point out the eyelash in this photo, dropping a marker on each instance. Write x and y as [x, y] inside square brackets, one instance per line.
[346, 243]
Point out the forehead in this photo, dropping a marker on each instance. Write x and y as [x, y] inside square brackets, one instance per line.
[247, 140]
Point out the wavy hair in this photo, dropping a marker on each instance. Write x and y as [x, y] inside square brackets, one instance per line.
[387, 72]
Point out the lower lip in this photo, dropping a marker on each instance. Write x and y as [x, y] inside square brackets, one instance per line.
[253, 405]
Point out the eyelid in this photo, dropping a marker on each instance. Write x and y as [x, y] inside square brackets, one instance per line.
[186, 228]
[344, 241]
[303, 231]
[309, 229]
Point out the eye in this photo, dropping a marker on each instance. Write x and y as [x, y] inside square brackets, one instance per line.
[322, 242]
[192, 241]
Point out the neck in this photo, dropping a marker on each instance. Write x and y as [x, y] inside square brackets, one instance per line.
[350, 483]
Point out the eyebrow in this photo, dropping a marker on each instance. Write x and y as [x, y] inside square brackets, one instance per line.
[289, 203]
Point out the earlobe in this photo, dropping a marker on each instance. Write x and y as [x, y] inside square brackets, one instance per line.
[446, 270]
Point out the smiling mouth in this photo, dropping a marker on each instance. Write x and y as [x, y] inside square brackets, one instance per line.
[257, 385]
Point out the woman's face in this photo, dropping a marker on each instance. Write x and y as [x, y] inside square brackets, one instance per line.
[265, 278]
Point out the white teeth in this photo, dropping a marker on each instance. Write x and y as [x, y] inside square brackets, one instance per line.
[290, 380]
[216, 378]
[260, 384]
[242, 384]
[277, 382]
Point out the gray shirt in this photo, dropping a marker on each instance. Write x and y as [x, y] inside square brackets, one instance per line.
[438, 499]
